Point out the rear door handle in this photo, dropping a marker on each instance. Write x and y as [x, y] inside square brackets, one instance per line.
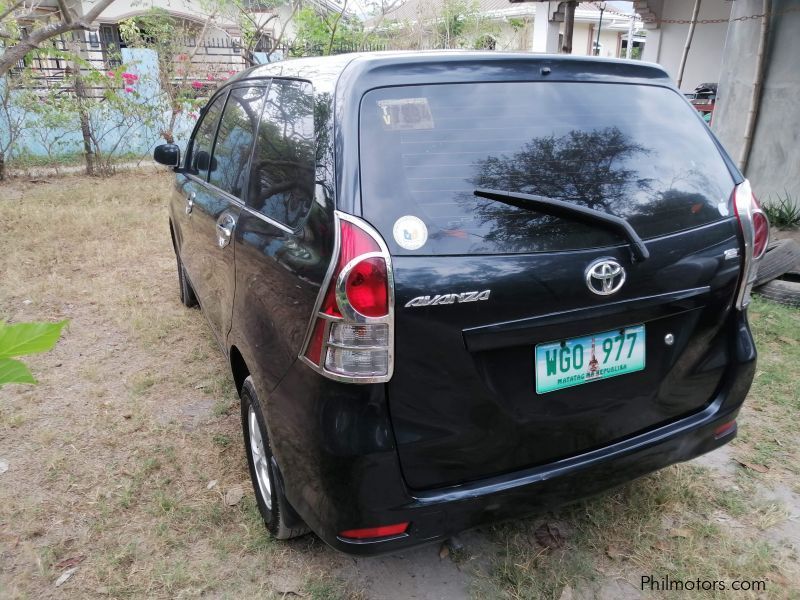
[190, 203]
[225, 226]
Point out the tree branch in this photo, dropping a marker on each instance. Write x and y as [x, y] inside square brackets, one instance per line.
[336, 26]
[17, 52]
[11, 9]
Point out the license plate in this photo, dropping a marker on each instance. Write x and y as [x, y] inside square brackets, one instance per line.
[576, 361]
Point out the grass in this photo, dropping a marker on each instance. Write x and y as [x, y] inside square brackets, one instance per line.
[783, 211]
[774, 399]
[111, 456]
[69, 159]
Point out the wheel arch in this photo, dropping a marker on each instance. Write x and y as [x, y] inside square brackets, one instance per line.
[239, 368]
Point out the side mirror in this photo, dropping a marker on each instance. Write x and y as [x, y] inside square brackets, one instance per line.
[167, 154]
[204, 162]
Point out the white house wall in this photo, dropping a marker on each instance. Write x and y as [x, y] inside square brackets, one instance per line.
[124, 9]
[665, 45]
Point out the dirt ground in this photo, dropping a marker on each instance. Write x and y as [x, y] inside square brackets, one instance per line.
[126, 475]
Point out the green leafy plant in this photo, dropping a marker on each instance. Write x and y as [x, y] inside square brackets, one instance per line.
[783, 211]
[20, 339]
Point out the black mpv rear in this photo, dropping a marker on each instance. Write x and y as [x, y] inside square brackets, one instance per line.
[458, 287]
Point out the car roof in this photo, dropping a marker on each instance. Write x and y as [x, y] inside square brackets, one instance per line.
[350, 72]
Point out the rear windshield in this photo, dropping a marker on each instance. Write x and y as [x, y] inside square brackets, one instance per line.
[634, 151]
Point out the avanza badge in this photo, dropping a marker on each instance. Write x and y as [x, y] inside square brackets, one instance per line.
[449, 298]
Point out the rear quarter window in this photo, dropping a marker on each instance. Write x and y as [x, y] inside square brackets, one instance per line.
[635, 151]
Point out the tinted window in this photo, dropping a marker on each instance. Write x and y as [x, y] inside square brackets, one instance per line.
[200, 153]
[639, 152]
[282, 173]
[237, 128]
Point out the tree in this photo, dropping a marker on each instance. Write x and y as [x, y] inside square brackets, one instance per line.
[17, 43]
[454, 24]
[257, 19]
[179, 83]
[320, 32]
[14, 103]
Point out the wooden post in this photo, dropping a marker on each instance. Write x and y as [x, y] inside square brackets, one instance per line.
[569, 26]
[688, 43]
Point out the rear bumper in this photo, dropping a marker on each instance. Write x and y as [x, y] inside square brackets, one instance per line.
[366, 490]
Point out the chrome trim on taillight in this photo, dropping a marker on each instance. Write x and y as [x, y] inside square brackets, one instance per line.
[350, 314]
[745, 208]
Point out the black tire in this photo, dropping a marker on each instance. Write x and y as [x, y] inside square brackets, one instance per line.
[782, 291]
[188, 297]
[272, 504]
[781, 256]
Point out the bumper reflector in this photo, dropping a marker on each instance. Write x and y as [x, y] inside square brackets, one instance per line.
[724, 429]
[375, 532]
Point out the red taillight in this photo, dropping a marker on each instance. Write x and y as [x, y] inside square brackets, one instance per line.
[755, 232]
[761, 231]
[351, 337]
[724, 429]
[375, 532]
[367, 287]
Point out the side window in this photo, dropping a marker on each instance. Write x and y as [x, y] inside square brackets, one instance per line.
[282, 173]
[237, 128]
[200, 155]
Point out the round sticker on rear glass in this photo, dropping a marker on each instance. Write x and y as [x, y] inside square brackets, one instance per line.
[410, 232]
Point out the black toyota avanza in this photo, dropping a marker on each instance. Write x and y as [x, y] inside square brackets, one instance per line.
[458, 287]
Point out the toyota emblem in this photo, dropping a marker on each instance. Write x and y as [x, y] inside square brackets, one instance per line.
[605, 276]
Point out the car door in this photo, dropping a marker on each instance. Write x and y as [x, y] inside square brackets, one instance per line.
[279, 251]
[189, 182]
[217, 205]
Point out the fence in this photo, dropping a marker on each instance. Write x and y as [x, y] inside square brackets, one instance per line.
[52, 67]
[77, 69]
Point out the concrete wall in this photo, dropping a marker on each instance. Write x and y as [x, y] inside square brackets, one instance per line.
[665, 45]
[584, 36]
[774, 165]
[117, 135]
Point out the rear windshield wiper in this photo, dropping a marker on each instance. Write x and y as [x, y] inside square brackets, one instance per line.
[568, 210]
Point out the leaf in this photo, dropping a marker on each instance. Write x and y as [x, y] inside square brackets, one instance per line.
[754, 466]
[777, 578]
[444, 551]
[662, 545]
[28, 338]
[65, 576]
[14, 371]
[211, 484]
[680, 532]
[549, 536]
[70, 562]
[234, 495]
[3, 466]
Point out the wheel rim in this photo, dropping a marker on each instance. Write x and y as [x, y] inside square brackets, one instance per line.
[260, 458]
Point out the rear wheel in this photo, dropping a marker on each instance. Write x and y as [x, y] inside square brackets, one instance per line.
[188, 297]
[272, 504]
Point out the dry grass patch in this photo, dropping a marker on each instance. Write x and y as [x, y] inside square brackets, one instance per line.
[119, 460]
[112, 455]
